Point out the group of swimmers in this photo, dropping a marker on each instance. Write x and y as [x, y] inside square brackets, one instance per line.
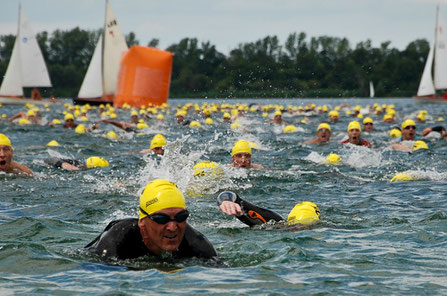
[162, 223]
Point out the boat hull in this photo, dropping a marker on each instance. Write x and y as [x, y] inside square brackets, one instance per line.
[23, 101]
[92, 101]
[430, 100]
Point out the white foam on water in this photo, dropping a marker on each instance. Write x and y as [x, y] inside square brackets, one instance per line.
[360, 156]
[315, 157]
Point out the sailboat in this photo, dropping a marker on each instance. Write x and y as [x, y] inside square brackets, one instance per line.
[26, 67]
[436, 61]
[100, 81]
[371, 90]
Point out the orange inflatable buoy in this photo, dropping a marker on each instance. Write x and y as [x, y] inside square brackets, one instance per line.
[144, 77]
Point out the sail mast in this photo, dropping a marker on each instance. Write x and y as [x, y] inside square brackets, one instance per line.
[103, 46]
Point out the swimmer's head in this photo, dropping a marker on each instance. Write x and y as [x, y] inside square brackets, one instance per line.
[395, 133]
[53, 143]
[95, 161]
[332, 158]
[111, 135]
[289, 129]
[69, 116]
[207, 168]
[419, 145]
[241, 146]
[159, 195]
[354, 125]
[80, 129]
[324, 126]
[158, 141]
[305, 213]
[4, 140]
[408, 122]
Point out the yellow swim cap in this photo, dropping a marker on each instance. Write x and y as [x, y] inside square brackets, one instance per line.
[160, 116]
[53, 143]
[421, 117]
[206, 168]
[4, 140]
[241, 146]
[24, 121]
[395, 133]
[84, 118]
[142, 125]
[80, 129]
[407, 123]
[304, 213]
[68, 116]
[289, 129]
[195, 124]
[111, 135]
[226, 115]
[112, 115]
[209, 121]
[265, 114]
[31, 113]
[440, 119]
[332, 158]
[95, 161]
[419, 145]
[402, 177]
[367, 120]
[158, 141]
[134, 113]
[324, 125]
[354, 125]
[360, 115]
[159, 195]
[277, 113]
[56, 121]
[235, 126]
[387, 116]
[333, 113]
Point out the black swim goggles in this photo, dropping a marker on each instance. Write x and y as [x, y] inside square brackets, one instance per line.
[164, 219]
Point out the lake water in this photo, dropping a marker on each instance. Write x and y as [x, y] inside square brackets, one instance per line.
[375, 237]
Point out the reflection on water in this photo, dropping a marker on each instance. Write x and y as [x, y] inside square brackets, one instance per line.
[375, 237]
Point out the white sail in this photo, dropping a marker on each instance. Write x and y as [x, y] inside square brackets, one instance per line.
[26, 67]
[114, 45]
[426, 86]
[440, 69]
[12, 81]
[92, 84]
[371, 89]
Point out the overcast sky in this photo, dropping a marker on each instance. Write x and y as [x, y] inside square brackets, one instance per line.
[226, 23]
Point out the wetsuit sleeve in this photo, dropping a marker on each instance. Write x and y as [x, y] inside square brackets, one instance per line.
[54, 162]
[195, 244]
[252, 215]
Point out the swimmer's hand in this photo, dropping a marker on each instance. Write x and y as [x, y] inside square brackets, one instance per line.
[230, 208]
[227, 203]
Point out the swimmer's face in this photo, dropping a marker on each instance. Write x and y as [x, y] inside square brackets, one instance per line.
[409, 133]
[389, 120]
[134, 119]
[324, 135]
[226, 119]
[333, 118]
[242, 160]
[368, 127]
[160, 238]
[158, 150]
[354, 136]
[277, 118]
[180, 119]
[6, 154]
[69, 123]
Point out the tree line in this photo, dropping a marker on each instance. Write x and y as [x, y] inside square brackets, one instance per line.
[300, 67]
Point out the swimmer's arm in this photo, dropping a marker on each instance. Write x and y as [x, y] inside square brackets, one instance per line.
[121, 125]
[20, 114]
[146, 151]
[21, 168]
[230, 208]
[257, 166]
[70, 167]
[426, 131]
[401, 147]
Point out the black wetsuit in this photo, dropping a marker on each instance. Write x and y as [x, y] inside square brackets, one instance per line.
[57, 162]
[122, 239]
[252, 215]
[438, 129]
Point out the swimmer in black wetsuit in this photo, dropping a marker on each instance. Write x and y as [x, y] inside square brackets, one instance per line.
[230, 203]
[75, 165]
[161, 228]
